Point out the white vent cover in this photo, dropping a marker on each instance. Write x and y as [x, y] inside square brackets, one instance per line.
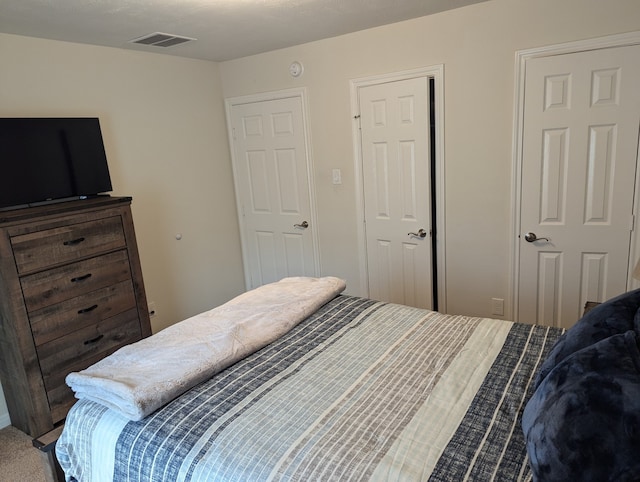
[159, 39]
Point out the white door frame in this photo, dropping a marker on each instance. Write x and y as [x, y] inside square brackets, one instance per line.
[262, 97]
[522, 56]
[437, 73]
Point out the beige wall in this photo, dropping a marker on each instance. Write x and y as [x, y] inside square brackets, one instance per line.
[477, 46]
[165, 137]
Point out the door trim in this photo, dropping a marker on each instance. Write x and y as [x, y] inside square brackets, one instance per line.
[231, 102]
[435, 72]
[522, 57]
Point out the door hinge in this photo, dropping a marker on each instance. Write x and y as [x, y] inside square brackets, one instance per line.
[233, 133]
[632, 222]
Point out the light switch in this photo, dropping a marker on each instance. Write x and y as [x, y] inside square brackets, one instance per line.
[337, 176]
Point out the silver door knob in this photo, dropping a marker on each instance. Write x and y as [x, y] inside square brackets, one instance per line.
[421, 233]
[303, 225]
[531, 237]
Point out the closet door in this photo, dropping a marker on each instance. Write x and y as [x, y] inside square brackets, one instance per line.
[273, 189]
[395, 125]
[580, 142]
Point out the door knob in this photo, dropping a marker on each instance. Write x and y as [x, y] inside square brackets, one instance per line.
[531, 237]
[304, 225]
[421, 233]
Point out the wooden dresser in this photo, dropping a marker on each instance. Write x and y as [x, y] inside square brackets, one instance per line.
[71, 293]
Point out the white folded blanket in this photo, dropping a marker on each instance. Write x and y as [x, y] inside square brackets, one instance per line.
[139, 378]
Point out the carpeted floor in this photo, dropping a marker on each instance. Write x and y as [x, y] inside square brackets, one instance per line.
[19, 460]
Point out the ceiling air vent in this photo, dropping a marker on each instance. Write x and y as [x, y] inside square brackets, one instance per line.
[159, 39]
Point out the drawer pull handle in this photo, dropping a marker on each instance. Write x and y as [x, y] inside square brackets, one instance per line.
[87, 310]
[81, 278]
[73, 242]
[93, 340]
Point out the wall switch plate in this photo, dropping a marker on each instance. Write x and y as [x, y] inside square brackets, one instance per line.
[336, 176]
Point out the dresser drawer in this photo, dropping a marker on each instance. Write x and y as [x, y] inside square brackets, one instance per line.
[61, 399]
[59, 284]
[62, 318]
[80, 350]
[41, 249]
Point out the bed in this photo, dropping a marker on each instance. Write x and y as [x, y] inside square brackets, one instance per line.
[356, 390]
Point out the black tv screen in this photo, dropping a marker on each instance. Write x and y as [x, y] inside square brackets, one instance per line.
[51, 159]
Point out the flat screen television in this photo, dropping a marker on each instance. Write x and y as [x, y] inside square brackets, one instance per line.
[45, 160]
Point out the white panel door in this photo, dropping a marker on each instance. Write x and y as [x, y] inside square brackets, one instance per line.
[272, 177]
[580, 141]
[394, 121]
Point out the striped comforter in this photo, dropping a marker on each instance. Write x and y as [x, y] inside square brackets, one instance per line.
[361, 390]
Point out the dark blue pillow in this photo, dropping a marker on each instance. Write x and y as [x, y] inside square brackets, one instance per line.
[612, 317]
[583, 421]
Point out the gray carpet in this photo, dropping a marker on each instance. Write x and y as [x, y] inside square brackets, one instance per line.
[19, 460]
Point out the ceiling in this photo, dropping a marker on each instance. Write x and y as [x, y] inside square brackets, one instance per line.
[223, 29]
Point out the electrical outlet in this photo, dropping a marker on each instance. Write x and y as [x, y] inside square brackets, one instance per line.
[152, 309]
[497, 306]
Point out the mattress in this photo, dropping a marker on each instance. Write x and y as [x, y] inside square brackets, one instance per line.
[359, 390]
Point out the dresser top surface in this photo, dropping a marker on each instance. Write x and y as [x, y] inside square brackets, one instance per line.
[14, 216]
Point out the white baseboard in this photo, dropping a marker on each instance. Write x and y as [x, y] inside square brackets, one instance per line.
[5, 421]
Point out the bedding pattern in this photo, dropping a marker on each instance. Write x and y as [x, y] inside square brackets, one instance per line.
[360, 390]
